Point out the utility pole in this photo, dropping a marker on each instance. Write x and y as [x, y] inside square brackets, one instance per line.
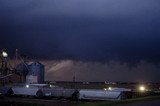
[4, 57]
[16, 57]
[4, 69]
[74, 79]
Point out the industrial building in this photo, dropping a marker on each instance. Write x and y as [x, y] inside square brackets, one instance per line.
[22, 71]
[33, 73]
[31, 76]
[36, 73]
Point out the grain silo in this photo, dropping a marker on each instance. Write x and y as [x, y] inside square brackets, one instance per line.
[22, 70]
[36, 73]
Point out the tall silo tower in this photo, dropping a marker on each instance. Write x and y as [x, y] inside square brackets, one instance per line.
[36, 73]
[22, 69]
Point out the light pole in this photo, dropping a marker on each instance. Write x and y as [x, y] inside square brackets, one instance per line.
[4, 56]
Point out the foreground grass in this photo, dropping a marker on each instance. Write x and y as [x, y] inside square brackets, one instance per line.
[18, 104]
[118, 102]
[75, 103]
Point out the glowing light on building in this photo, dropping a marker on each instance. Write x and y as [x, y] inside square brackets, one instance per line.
[50, 86]
[27, 86]
[109, 88]
[142, 88]
[105, 89]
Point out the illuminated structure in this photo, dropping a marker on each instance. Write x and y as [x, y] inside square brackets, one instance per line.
[7, 74]
[4, 59]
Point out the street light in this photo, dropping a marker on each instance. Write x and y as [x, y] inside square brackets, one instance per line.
[105, 89]
[110, 88]
[142, 88]
[27, 86]
[4, 54]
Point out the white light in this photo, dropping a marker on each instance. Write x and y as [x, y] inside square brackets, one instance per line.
[105, 89]
[4, 54]
[27, 86]
[109, 88]
[50, 86]
[142, 88]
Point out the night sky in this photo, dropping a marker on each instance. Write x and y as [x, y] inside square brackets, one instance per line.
[118, 40]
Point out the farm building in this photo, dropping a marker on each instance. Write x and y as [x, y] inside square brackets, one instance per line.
[32, 73]
[36, 73]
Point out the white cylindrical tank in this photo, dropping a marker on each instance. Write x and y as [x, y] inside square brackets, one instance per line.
[99, 94]
[25, 91]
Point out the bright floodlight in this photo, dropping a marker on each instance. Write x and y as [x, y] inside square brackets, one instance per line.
[4, 54]
[142, 88]
[50, 86]
[109, 88]
[104, 89]
[27, 86]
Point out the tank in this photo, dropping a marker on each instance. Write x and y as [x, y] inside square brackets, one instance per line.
[25, 91]
[36, 90]
[99, 94]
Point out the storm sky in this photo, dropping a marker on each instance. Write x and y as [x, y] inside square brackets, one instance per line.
[100, 31]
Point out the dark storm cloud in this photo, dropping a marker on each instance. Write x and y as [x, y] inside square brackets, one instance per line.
[100, 30]
[112, 71]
